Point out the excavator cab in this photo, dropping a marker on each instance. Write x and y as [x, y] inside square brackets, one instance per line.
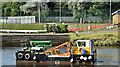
[83, 52]
[84, 47]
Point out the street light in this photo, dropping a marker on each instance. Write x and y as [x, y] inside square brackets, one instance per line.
[110, 11]
[60, 11]
[39, 12]
[76, 26]
[20, 13]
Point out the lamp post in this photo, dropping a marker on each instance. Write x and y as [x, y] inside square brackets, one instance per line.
[110, 11]
[39, 12]
[60, 12]
[20, 13]
[76, 28]
[76, 25]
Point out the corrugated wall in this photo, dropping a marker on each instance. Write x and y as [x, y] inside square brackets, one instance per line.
[116, 19]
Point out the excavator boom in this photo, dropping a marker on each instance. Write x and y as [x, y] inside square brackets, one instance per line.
[60, 46]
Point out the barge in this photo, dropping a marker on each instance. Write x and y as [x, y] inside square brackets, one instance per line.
[37, 51]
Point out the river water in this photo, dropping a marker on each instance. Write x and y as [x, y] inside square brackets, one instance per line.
[105, 56]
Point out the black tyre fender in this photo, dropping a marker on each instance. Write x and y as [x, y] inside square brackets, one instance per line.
[28, 56]
[20, 56]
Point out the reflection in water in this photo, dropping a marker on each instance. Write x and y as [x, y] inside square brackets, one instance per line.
[52, 65]
[8, 56]
[0, 57]
[106, 56]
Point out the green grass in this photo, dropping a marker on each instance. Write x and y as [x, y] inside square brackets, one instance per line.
[23, 26]
[61, 28]
[98, 38]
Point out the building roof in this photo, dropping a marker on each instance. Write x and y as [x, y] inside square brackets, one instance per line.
[118, 11]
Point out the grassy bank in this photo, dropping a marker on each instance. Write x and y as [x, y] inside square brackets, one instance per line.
[23, 26]
[60, 28]
[100, 39]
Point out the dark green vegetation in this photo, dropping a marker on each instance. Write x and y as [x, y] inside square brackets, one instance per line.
[68, 9]
[62, 28]
[100, 39]
[11, 8]
[94, 8]
[59, 28]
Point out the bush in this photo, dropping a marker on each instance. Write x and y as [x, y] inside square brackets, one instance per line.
[62, 28]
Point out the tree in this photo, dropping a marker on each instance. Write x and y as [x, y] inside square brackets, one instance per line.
[0, 9]
[31, 8]
[64, 8]
[99, 9]
[55, 9]
[77, 9]
[115, 6]
[10, 8]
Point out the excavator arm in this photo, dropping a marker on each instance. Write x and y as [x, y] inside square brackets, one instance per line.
[60, 46]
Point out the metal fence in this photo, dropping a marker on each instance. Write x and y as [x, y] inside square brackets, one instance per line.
[18, 20]
[66, 15]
